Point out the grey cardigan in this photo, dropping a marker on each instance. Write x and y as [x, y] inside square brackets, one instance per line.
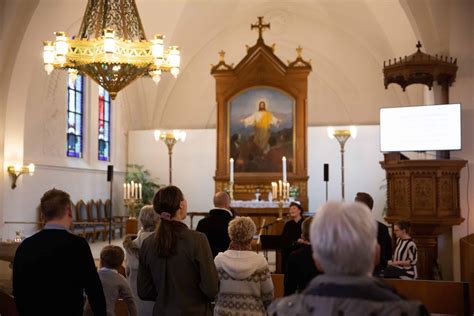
[182, 284]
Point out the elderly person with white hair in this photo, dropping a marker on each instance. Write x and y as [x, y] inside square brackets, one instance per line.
[148, 220]
[245, 283]
[344, 241]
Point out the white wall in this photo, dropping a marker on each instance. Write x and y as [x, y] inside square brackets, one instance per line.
[194, 163]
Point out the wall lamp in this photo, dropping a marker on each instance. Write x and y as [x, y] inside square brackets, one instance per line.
[17, 170]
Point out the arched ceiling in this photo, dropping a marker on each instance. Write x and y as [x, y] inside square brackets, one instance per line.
[346, 41]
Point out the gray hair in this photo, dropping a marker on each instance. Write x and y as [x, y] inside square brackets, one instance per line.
[242, 229]
[344, 238]
[148, 218]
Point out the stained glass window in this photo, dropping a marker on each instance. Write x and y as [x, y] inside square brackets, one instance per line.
[104, 125]
[75, 107]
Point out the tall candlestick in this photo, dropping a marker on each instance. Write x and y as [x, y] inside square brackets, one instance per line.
[231, 170]
[283, 162]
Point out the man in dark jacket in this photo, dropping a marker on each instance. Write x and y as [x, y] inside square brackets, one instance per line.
[215, 225]
[383, 237]
[53, 268]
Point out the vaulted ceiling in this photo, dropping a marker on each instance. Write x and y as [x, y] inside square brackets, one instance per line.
[346, 41]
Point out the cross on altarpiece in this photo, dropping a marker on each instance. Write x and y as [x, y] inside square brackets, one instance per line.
[260, 26]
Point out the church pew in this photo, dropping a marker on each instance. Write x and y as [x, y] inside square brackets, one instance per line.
[278, 285]
[439, 297]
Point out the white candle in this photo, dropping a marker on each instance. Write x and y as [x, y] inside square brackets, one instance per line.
[140, 191]
[124, 191]
[136, 190]
[280, 188]
[128, 190]
[283, 162]
[231, 170]
[132, 189]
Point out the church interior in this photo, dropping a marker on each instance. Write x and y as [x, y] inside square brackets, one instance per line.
[343, 46]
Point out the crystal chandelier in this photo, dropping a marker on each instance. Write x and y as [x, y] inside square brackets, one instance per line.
[111, 48]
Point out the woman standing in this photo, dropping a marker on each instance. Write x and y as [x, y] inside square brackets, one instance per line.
[405, 255]
[291, 235]
[245, 284]
[176, 269]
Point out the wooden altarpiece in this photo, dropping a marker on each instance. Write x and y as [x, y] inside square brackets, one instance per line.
[261, 68]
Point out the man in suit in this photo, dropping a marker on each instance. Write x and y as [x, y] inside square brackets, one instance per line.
[300, 268]
[215, 225]
[383, 237]
[53, 268]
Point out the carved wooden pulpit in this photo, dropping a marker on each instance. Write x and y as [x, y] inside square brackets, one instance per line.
[261, 118]
[426, 193]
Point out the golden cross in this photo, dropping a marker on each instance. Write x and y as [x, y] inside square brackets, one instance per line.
[260, 26]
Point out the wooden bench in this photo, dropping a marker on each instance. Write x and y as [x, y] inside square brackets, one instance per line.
[439, 297]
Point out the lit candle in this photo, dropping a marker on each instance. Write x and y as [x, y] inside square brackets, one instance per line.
[280, 188]
[124, 191]
[140, 191]
[231, 170]
[283, 162]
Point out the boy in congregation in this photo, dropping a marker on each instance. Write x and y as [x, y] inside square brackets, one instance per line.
[115, 285]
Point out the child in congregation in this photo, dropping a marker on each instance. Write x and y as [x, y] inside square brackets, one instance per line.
[115, 285]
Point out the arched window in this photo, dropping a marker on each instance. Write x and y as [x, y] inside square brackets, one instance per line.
[104, 125]
[75, 109]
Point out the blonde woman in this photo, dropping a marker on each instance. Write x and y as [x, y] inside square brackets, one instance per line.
[245, 284]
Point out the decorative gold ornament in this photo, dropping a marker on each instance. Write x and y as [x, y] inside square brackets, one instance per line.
[111, 48]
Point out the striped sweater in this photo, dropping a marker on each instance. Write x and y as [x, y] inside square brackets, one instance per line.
[406, 250]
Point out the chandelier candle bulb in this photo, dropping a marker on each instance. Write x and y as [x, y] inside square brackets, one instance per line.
[283, 162]
[109, 41]
[231, 170]
[157, 48]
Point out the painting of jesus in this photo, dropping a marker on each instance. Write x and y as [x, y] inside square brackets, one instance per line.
[261, 130]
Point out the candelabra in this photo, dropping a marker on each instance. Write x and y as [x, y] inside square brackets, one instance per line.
[170, 139]
[132, 204]
[342, 135]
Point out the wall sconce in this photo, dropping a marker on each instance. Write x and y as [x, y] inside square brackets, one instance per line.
[342, 135]
[17, 170]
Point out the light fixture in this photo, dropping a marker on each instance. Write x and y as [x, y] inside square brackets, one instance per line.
[170, 138]
[342, 135]
[111, 48]
[17, 170]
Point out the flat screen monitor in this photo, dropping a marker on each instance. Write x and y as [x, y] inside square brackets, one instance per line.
[420, 128]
